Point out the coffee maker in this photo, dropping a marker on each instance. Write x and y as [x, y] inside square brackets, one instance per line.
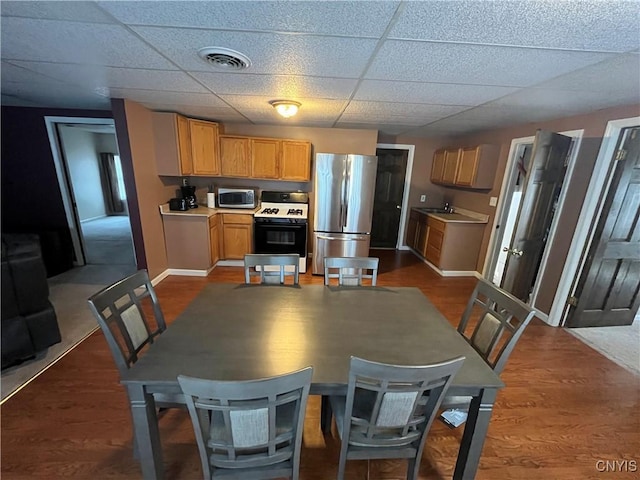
[189, 194]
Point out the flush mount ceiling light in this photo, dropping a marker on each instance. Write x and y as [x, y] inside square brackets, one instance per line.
[286, 108]
[224, 58]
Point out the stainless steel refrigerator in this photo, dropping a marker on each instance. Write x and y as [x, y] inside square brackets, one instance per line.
[344, 191]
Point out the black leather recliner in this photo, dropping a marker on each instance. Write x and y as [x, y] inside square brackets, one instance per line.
[29, 322]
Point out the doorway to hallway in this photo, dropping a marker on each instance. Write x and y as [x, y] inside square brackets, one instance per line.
[90, 177]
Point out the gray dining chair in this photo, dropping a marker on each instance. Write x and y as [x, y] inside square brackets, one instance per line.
[249, 429]
[351, 270]
[492, 323]
[272, 268]
[130, 318]
[389, 409]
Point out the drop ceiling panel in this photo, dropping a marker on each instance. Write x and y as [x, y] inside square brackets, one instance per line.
[11, 101]
[386, 120]
[435, 93]
[486, 117]
[454, 66]
[208, 113]
[259, 109]
[405, 109]
[56, 95]
[13, 73]
[289, 86]
[269, 53]
[329, 18]
[575, 25]
[171, 98]
[74, 42]
[77, 11]
[475, 64]
[620, 74]
[115, 77]
[388, 129]
[561, 101]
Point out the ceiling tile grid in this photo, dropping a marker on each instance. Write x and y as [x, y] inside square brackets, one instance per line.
[609, 26]
[402, 67]
[323, 18]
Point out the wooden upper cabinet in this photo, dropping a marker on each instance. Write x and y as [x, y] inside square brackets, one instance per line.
[470, 167]
[265, 158]
[204, 147]
[477, 166]
[450, 166]
[184, 146]
[437, 168]
[172, 144]
[235, 157]
[295, 162]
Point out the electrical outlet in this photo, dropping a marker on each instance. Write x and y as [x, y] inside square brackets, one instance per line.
[423, 198]
[493, 201]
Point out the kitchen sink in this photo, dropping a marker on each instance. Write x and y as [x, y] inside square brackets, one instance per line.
[432, 210]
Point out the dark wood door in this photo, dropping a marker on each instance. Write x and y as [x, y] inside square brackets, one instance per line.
[543, 183]
[608, 290]
[387, 203]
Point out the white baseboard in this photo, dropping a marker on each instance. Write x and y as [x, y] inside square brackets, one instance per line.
[188, 273]
[230, 263]
[155, 281]
[93, 218]
[447, 273]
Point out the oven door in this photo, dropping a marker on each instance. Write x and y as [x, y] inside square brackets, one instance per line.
[280, 238]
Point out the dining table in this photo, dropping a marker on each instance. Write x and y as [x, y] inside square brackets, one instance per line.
[249, 331]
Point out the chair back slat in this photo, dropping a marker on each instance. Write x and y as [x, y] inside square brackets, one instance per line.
[129, 316]
[389, 409]
[272, 268]
[493, 322]
[351, 270]
[255, 424]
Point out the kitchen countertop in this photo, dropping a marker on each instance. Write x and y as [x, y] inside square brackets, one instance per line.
[204, 211]
[459, 216]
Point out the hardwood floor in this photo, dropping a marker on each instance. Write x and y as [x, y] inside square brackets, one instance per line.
[565, 407]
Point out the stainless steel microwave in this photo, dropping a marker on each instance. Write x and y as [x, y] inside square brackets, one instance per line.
[236, 198]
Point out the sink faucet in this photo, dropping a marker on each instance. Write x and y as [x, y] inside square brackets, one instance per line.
[448, 208]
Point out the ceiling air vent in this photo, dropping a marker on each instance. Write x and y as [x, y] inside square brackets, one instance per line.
[224, 58]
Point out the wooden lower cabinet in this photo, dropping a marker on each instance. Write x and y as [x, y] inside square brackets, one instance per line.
[433, 248]
[418, 232]
[214, 239]
[449, 246]
[187, 242]
[237, 236]
[454, 246]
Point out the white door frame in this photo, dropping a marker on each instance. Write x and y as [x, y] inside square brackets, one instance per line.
[591, 209]
[407, 184]
[500, 212]
[58, 161]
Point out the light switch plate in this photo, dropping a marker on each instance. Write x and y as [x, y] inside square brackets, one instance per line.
[493, 201]
[423, 198]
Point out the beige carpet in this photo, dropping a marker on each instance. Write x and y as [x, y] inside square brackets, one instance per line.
[75, 322]
[620, 344]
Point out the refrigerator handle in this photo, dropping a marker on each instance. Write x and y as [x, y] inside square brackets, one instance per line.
[347, 185]
[351, 238]
[343, 195]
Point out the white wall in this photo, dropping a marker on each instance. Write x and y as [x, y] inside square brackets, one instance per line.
[81, 155]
